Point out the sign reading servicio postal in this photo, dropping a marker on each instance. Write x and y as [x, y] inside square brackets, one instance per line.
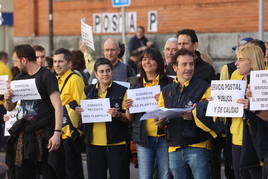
[143, 99]
[24, 90]
[95, 110]
[225, 94]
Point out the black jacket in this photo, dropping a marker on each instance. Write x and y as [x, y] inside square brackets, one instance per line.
[139, 133]
[184, 132]
[117, 129]
[255, 140]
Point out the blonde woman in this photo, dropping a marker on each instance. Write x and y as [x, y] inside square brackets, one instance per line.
[245, 154]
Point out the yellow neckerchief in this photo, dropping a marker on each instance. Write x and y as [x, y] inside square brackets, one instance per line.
[150, 126]
[103, 93]
[185, 84]
[152, 83]
[99, 129]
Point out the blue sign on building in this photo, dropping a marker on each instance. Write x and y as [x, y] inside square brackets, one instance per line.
[6, 18]
[121, 3]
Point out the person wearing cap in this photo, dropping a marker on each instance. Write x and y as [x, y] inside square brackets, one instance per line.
[229, 68]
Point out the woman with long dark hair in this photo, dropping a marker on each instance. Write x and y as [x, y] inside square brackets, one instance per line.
[150, 139]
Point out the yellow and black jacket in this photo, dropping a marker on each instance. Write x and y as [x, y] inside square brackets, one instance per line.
[117, 129]
[181, 132]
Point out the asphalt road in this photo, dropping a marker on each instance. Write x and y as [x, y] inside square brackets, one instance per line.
[133, 171]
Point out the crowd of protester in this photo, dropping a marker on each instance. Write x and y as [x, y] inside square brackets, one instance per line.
[48, 137]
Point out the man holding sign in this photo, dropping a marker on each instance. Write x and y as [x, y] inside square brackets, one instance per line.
[188, 138]
[39, 120]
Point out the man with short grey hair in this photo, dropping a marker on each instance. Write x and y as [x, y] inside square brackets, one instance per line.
[111, 51]
[170, 49]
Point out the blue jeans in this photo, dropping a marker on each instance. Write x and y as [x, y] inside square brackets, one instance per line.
[197, 159]
[156, 151]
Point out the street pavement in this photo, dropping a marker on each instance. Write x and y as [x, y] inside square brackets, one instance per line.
[133, 171]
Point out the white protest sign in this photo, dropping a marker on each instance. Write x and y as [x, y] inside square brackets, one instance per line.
[24, 90]
[95, 110]
[225, 94]
[12, 119]
[87, 34]
[143, 99]
[259, 90]
[3, 87]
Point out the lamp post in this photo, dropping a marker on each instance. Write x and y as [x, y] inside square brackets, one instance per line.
[50, 22]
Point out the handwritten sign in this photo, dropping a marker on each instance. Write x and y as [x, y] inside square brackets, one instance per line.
[225, 94]
[143, 99]
[87, 34]
[24, 90]
[259, 90]
[95, 110]
[3, 87]
[12, 119]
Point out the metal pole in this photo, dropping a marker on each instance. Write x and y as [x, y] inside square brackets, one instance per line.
[50, 22]
[261, 19]
[123, 11]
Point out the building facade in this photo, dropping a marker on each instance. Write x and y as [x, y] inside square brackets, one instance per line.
[220, 24]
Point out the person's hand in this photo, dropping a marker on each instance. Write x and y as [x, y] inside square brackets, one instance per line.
[156, 97]
[187, 115]
[248, 92]
[128, 103]
[54, 142]
[159, 122]
[245, 102]
[5, 117]
[84, 48]
[141, 49]
[210, 98]
[114, 112]
[8, 93]
[79, 110]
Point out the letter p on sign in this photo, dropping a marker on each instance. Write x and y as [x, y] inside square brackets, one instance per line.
[152, 21]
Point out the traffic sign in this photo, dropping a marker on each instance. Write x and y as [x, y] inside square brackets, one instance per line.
[121, 3]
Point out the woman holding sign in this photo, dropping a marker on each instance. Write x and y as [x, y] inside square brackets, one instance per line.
[106, 141]
[151, 142]
[247, 152]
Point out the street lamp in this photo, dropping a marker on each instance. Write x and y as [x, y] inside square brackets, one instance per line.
[50, 22]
